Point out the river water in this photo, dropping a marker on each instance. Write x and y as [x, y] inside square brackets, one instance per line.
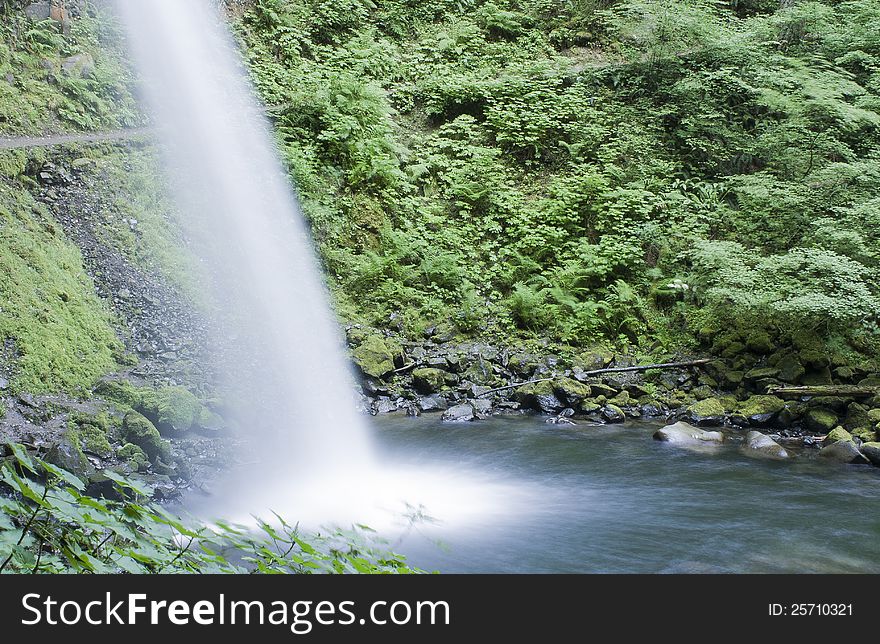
[590, 499]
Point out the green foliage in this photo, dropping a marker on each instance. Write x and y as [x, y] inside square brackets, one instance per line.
[60, 330]
[549, 168]
[49, 525]
[38, 95]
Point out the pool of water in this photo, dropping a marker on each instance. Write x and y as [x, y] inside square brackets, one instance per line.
[527, 496]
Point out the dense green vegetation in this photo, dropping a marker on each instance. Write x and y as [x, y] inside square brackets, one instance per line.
[50, 525]
[58, 79]
[639, 173]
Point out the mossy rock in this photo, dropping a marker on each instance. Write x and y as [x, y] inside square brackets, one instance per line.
[815, 359]
[844, 451]
[864, 434]
[594, 358]
[820, 420]
[134, 457]
[709, 411]
[571, 391]
[760, 410]
[374, 357]
[429, 380]
[790, 369]
[613, 414]
[173, 410]
[623, 399]
[539, 396]
[138, 430]
[119, 391]
[759, 342]
[601, 389]
[759, 373]
[733, 349]
[837, 434]
[857, 415]
[702, 392]
[92, 433]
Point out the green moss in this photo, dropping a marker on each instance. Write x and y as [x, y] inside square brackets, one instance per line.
[708, 408]
[134, 457]
[374, 356]
[820, 420]
[137, 429]
[60, 329]
[571, 390]
[838, 434]
[760, 405]
[119, 391]
[429, 380]
[92, 432]
[172, 409]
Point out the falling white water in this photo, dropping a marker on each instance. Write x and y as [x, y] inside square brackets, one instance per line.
[279, 343]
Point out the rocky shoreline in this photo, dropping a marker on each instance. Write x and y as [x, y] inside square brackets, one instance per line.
[460, 381]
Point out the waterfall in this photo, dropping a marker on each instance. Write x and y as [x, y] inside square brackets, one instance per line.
[277, 339]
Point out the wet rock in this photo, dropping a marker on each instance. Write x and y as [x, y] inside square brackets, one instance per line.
[384, 406]
[571, 391]
[837, 434]
[429, 380]
[871, 451]
[710, 411]
[760, 445]
[760, 373]
[612, 414]
[459, 413]
[482, 407]
[844, 452]
[600, 389]
[760, 410]
[433, 403]
[373, 356]
[4, 383]
[685, 435]
[37, 11]
[820, 420]
[539, 396]
[138, 430]
[67, 455]
[702, 392]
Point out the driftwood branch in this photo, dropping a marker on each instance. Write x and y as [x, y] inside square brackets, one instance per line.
[596, 372]
[844, 391]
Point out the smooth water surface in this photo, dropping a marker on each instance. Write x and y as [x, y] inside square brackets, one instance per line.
[610, 499]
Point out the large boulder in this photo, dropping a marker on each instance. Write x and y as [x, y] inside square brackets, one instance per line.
[138, 430]
[760, 410]
[539, 396]
[709, 411]
[429, 380]
[433, 403]
[373, 356]
[682, 434]
[820, 420]
[78, 65]
[844, 452]
[760, 445]
[571, 391]
[459, 414]
[837, 434]
[872, 452]
[612, 414]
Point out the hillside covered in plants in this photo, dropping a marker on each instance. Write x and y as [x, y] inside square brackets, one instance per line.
[662, 175]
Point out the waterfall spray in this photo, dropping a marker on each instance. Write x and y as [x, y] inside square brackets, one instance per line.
[278, 341]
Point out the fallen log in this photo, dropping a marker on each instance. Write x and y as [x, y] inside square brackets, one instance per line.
[843, 391]
[596, 372]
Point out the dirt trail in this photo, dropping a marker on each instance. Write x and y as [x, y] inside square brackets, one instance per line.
[23, 142]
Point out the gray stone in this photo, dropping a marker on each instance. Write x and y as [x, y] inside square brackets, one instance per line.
[433, 403]
[482, 407]
[459, 413]
[683, 434]
[760, 445]
[612, 414]
[384, 406]
[78, 66]
[844, 452]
